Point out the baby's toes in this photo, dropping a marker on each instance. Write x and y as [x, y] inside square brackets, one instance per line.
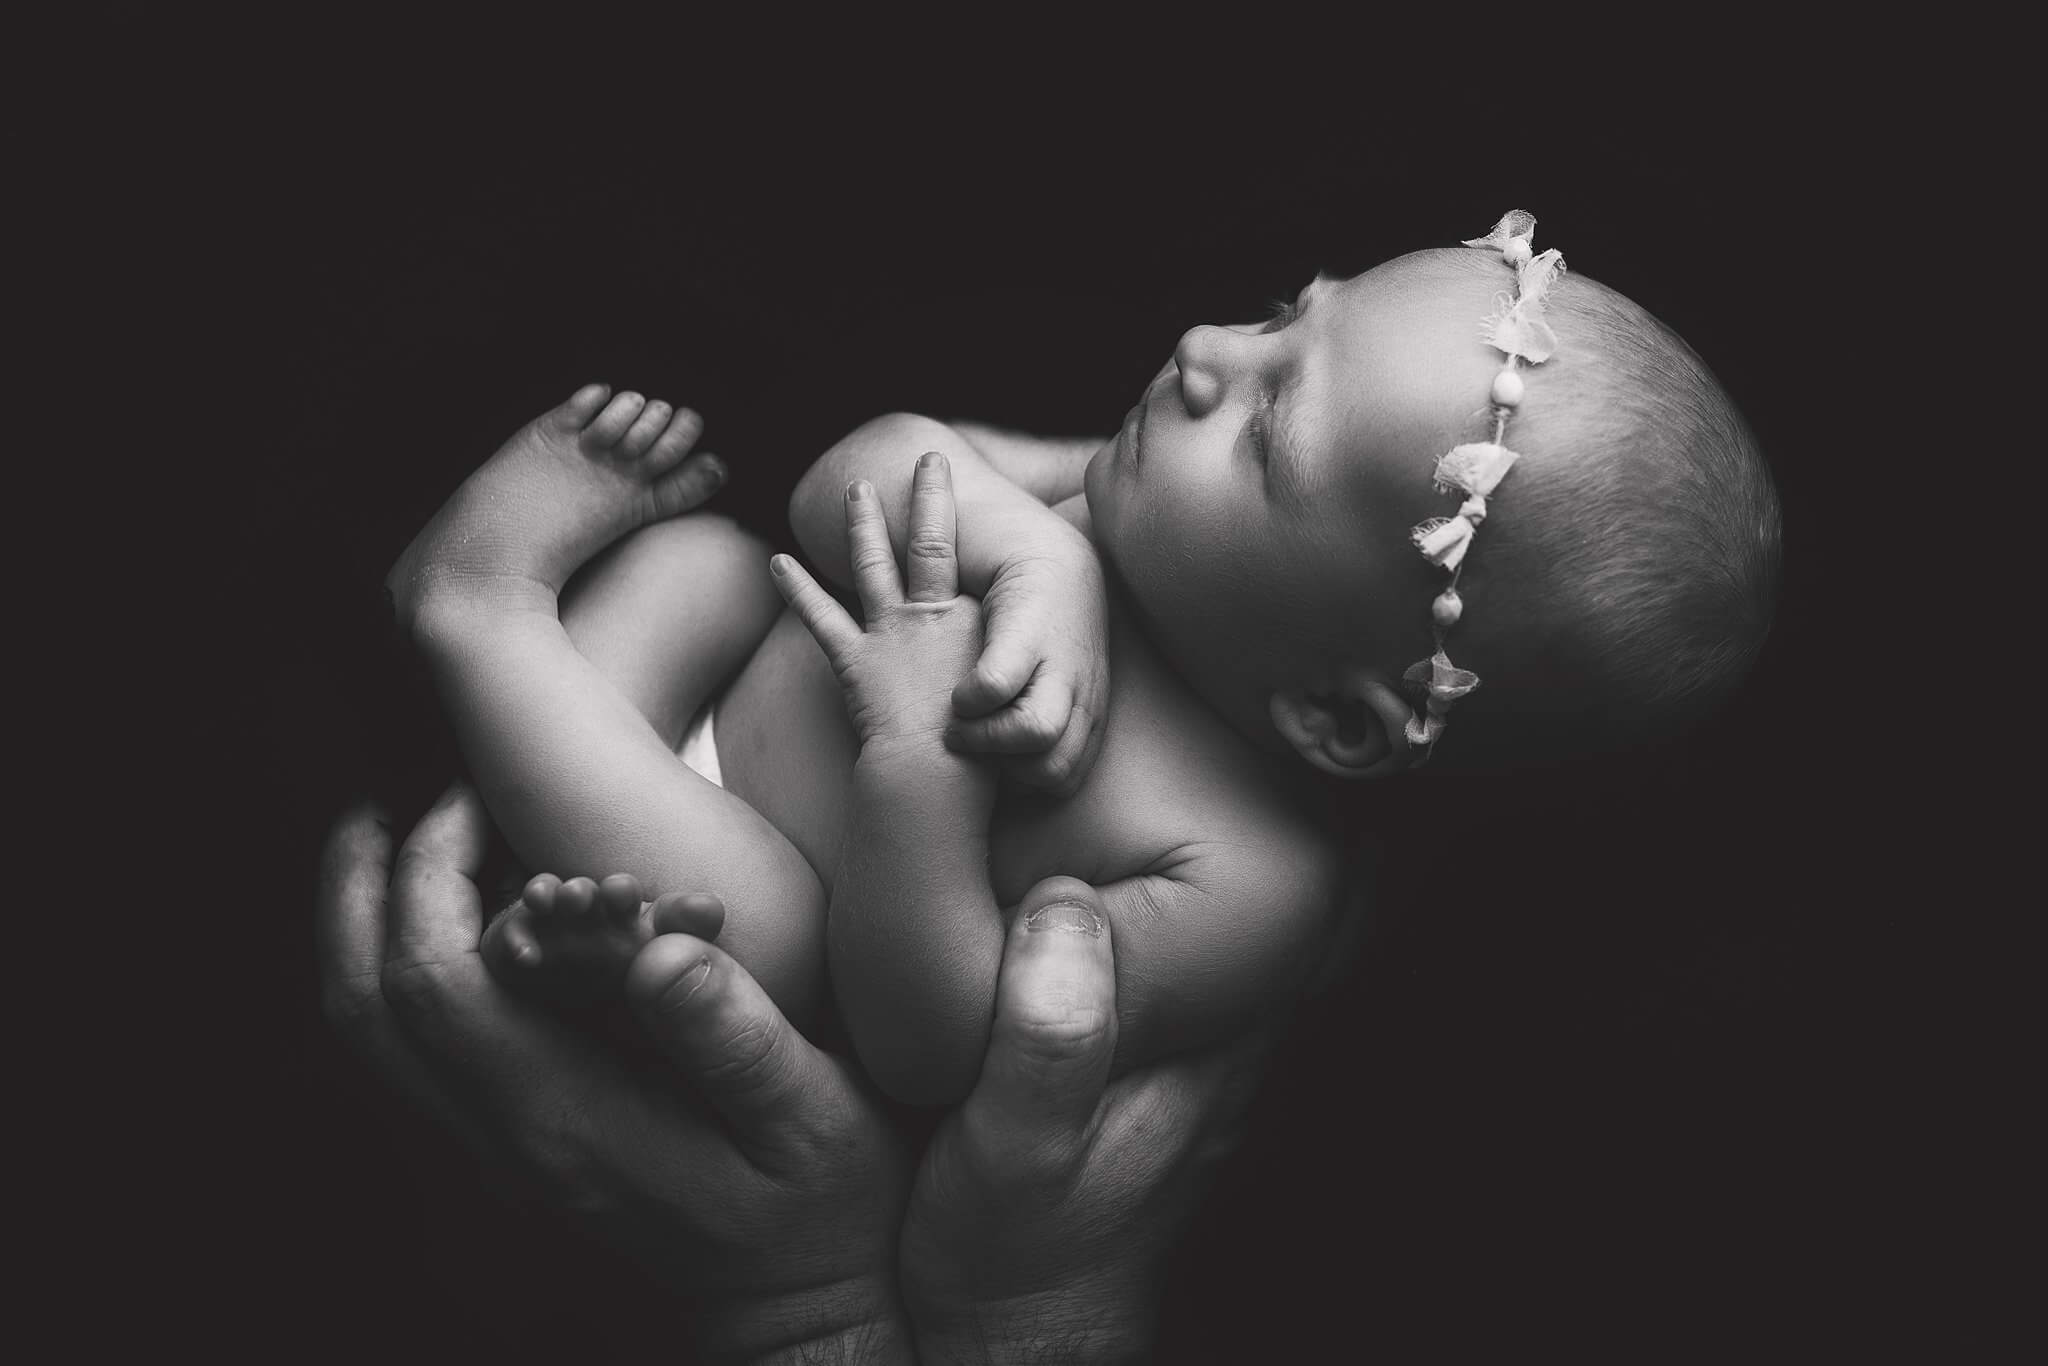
[653, 418]
[689, 485]
[697, 913]
[508, 940]
[675, 442]
[618, 898]
[540, 893]
[519, 946]
[574, 415]
[613, 423]
[576, 900]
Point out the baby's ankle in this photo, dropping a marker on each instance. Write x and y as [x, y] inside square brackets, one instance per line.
[438, 606]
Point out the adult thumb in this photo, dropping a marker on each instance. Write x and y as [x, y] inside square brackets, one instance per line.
[1055, 1025]
[713, 1021]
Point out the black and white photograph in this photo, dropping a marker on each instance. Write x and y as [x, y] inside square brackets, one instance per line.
[926, 708]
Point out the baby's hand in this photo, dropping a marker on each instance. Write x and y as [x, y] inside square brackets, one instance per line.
[1040, 692]
[896, 672]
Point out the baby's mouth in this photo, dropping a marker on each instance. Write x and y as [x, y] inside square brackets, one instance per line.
[1142, 412]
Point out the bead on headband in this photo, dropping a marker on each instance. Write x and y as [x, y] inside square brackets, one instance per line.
[1517, 330]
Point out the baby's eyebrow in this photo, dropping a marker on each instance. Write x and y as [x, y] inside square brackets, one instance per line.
[1290, 425]
[1289, 421]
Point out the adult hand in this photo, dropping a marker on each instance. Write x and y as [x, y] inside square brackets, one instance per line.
[1045, 1207]
[766, 1189]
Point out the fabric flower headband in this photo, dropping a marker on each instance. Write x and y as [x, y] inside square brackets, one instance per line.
[1516, 329]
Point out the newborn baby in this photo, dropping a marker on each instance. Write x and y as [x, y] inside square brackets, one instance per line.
[1241, 598]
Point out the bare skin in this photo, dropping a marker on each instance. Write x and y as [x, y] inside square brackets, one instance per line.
[481, 590]
[573, 941]
[569, 688]
[565, 486]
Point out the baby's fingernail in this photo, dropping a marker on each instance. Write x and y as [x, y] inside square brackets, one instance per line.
[857, 490]
[930, 460]
[1070, 916]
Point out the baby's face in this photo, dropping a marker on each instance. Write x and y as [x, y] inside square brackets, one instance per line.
[1256, 504]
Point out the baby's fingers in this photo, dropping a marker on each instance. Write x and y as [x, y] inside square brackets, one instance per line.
[867, 547]
[1060, 769]
[820, 613]
[1005, 667]
[931, 568]
[1029, 726]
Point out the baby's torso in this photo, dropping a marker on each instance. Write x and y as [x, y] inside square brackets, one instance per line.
[1250, 876]
[1168, 772]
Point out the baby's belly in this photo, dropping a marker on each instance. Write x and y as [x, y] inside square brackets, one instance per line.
[786, 748]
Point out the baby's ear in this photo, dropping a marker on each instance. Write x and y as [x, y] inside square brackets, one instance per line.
[1357, 732]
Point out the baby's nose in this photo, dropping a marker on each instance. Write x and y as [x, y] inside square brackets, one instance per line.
[1203, 360]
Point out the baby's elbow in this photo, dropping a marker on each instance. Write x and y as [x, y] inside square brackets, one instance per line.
[822, 490]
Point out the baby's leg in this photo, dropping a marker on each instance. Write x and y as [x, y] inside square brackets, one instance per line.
[672, 612]
[576, 776]
[668, 615]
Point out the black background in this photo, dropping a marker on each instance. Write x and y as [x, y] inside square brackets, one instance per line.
[1576, 1093]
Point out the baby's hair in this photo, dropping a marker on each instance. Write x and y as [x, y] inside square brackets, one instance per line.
[1633, 558]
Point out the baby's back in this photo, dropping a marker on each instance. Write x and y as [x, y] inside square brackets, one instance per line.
[1220, 881]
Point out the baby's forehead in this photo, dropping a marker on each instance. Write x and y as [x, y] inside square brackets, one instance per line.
[1403, 368]
[1453, 286]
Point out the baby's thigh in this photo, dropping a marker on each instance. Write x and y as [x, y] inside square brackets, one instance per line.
[671, 612]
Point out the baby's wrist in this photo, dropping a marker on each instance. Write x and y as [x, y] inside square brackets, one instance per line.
[920, 764]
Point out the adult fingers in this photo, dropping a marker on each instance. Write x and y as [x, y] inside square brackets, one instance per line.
[932, 569]
[436, 906]
[819, 611]
[1055, 1024]
[433, 977]
[348, 925]
[872, 558]
[349, 910]
[501, 1074]
[717, 1026]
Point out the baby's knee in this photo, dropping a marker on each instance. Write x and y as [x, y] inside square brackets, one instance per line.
[703, 545]
[679, 565]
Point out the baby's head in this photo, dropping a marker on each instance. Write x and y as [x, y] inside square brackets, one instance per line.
[1260, 501]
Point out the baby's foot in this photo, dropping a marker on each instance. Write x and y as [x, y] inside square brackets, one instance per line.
[573, 941]
[565, 486]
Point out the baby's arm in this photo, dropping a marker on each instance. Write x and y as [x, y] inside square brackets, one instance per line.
[1040, 688]
[996, 513]
[913, 935]
[1049, 468]
[914, 930]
